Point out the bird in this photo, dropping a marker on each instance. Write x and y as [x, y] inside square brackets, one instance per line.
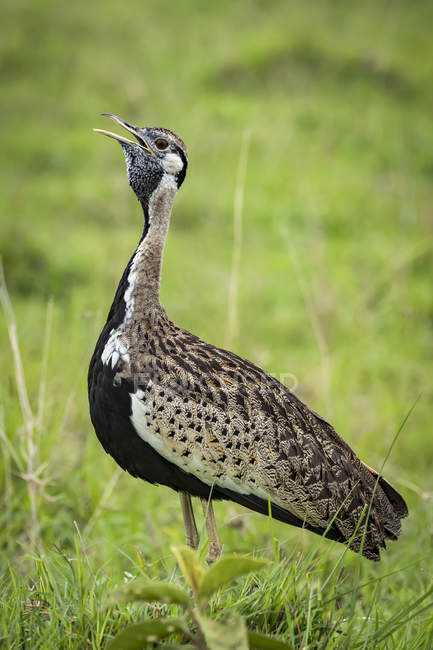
[176, 411]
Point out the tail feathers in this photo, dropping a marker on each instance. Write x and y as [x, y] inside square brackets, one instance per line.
[395, 499]
[384, 517]
[388, 509]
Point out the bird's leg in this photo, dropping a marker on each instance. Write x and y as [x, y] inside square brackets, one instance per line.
[191, 534]
[215, 546]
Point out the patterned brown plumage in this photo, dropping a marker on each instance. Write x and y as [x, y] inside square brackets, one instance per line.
[224, 420]
[175, 410]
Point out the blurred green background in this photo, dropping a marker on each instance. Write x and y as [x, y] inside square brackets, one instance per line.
[335, 280]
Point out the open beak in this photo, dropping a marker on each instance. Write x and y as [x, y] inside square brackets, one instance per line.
[120, 138]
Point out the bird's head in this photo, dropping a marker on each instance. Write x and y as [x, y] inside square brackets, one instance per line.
[157, 158]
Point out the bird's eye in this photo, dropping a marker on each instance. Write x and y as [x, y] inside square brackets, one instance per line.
[161, 143]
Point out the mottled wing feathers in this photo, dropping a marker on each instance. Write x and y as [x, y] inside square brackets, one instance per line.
[231, 425]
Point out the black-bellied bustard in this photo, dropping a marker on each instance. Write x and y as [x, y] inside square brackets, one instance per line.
[174, 410]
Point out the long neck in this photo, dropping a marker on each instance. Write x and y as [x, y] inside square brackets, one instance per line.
[142, 292]
[137, 295]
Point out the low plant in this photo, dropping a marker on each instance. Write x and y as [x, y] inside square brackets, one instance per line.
[193, 628]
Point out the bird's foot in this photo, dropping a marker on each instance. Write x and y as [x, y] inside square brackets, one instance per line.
[192, 540]
[191, 534]
[214, 551]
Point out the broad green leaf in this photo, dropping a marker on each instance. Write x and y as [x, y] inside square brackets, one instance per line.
[142, 589]
[140, 635]
[260, 641]
[229, 633]
[226, 570]
[190, 566]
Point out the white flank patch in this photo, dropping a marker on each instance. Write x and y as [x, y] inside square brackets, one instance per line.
[141, 410]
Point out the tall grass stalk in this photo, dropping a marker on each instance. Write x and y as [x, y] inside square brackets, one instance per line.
[30, 450]
[316, 325]
[238, 208]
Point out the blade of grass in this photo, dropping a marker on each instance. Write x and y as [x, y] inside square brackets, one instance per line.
[238, 207]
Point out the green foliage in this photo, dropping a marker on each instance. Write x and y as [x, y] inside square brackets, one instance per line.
[138, 635]
[226, 570]
[228, 633]
[191, 568]
[257, 640]
[142, 589]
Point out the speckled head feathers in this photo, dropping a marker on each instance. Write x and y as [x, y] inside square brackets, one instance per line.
[155, 154]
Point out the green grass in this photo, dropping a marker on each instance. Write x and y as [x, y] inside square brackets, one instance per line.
[334, 288]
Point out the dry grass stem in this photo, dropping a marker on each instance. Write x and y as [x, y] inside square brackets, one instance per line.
[26, 410]
[44, 365]
[316, 326]
[238, 207]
